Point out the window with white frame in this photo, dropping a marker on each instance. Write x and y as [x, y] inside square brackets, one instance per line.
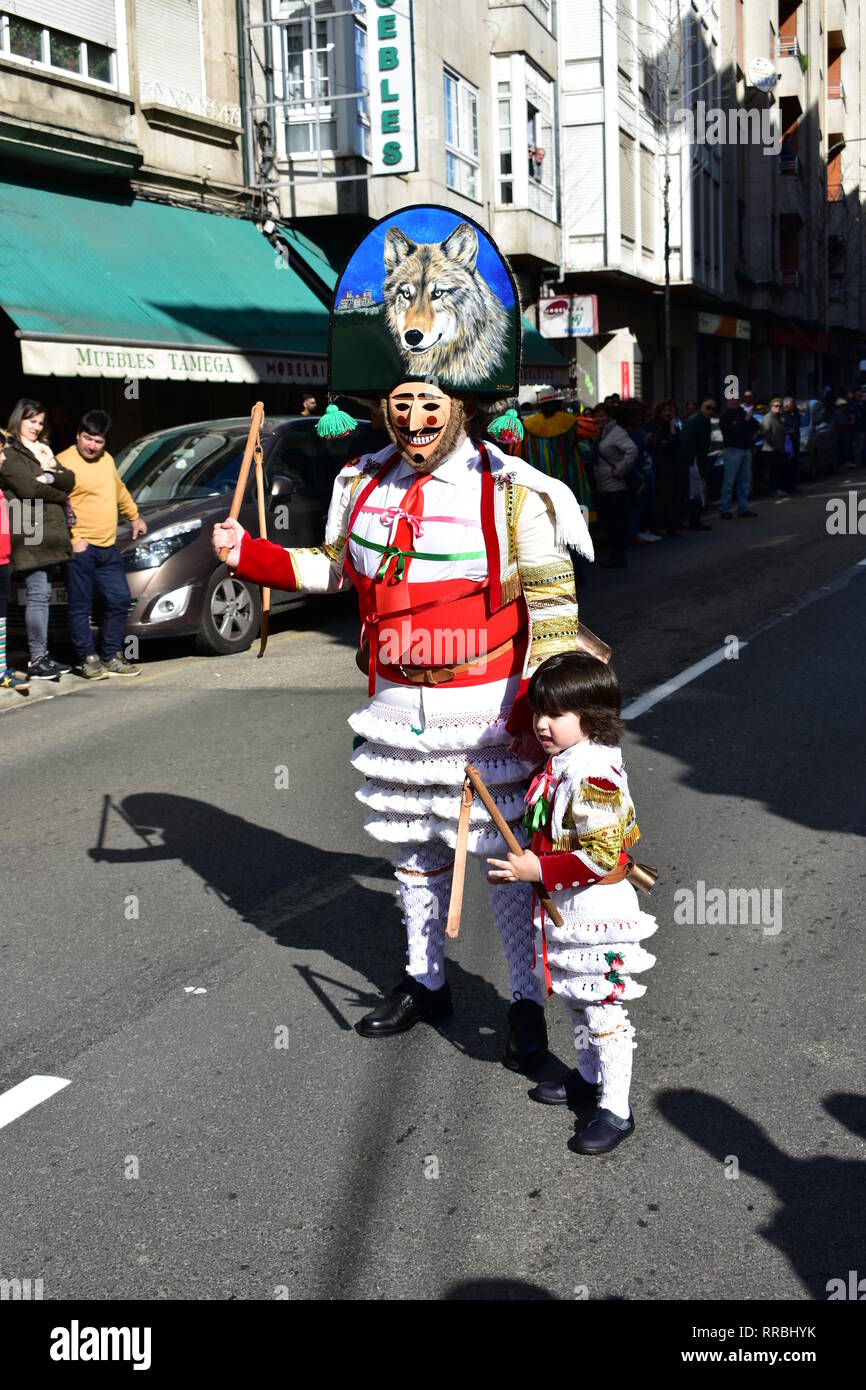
[539, 139]
[362, 105]
[461, 135]
[524, 125]
[30, 37]
[308, 74]
[505, 189]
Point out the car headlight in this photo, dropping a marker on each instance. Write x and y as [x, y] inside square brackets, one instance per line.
[155, 549]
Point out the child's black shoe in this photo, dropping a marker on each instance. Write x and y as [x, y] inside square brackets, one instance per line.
[604, 1131]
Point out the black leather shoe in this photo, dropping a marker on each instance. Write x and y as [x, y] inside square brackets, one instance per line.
[604, 1131]
[526, 1041]
[408, 1004]
[570, 1089]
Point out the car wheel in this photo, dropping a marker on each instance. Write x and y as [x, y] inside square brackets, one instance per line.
[231, 614]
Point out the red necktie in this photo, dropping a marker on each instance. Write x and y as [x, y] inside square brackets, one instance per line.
[404, 536]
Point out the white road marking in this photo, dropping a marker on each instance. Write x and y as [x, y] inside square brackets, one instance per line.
[194, 989]
[26, 1095]
[661, 692]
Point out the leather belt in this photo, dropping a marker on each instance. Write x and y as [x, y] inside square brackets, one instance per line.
[438, 675]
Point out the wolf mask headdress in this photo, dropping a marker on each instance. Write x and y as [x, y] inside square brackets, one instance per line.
[425, 296]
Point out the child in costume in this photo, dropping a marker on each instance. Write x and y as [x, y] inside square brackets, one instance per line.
[582, 819]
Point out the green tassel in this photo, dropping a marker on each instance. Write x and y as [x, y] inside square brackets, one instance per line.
[335, 423]
[508, 427]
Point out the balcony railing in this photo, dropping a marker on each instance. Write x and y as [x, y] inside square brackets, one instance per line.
[836, 90]
[835, 193]
[791, 279]
[790, 165]
[788, 46]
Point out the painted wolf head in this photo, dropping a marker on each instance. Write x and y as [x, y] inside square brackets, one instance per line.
[446, 320]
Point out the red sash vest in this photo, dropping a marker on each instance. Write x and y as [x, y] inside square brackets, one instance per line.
[437, 624]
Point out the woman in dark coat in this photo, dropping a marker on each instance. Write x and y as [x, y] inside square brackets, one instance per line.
[668, 466]
[37, 492]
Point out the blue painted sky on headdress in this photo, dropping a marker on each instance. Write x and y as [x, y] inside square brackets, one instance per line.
[366, 270]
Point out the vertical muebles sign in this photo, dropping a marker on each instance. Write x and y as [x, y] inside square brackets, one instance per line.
[392, 86]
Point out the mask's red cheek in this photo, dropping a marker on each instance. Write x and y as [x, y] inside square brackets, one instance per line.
[431, 420]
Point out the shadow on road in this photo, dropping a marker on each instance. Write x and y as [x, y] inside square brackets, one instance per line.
[309, 899]
[822, 1216]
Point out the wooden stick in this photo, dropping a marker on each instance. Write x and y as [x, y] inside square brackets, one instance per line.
[257, 416]
[263, 532]
[508, 836]
[458, 877]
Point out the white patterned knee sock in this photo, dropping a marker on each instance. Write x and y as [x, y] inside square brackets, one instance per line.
[512, 913]
[612, 1037]
[587, 1059]
[424, 881]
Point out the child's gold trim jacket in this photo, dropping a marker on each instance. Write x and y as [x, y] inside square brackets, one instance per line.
[584, 820]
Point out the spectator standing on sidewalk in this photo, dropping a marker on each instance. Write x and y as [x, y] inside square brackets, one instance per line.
[791, 420]
[666, 444]
[96, 561]
[695, 439]
[738, 431]
[8, 678]
[39, 529]
[614, 456]
[773, 434]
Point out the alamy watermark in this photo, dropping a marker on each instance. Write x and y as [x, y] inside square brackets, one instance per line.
[711, 125]
[734, 907]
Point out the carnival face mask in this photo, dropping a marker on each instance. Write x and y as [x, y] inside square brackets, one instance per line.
[423, 422]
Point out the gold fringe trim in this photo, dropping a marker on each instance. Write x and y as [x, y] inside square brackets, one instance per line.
[599, 796]
[630, 837]
[511, 587]
[334, 551]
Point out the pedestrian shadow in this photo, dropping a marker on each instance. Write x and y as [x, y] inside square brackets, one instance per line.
[820, 1226]
[309, 899]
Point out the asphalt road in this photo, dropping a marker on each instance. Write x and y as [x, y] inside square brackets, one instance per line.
[243, 1142]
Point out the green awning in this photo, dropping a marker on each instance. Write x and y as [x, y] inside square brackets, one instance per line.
[311, 254]
[152, 290]
[539, 351]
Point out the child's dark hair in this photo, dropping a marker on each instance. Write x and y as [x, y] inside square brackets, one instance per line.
[576, 683]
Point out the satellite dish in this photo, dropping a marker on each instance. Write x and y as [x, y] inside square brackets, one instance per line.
[762, 74]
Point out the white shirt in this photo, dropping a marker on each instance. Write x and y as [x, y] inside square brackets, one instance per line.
[453, 490]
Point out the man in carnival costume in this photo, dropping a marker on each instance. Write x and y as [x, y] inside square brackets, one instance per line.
[460, 557]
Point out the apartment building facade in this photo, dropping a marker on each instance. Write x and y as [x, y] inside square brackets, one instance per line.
[765, 239]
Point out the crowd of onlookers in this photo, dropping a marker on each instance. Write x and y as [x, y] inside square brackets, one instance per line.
[644, 471]
[58, 515]
[641, 472]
